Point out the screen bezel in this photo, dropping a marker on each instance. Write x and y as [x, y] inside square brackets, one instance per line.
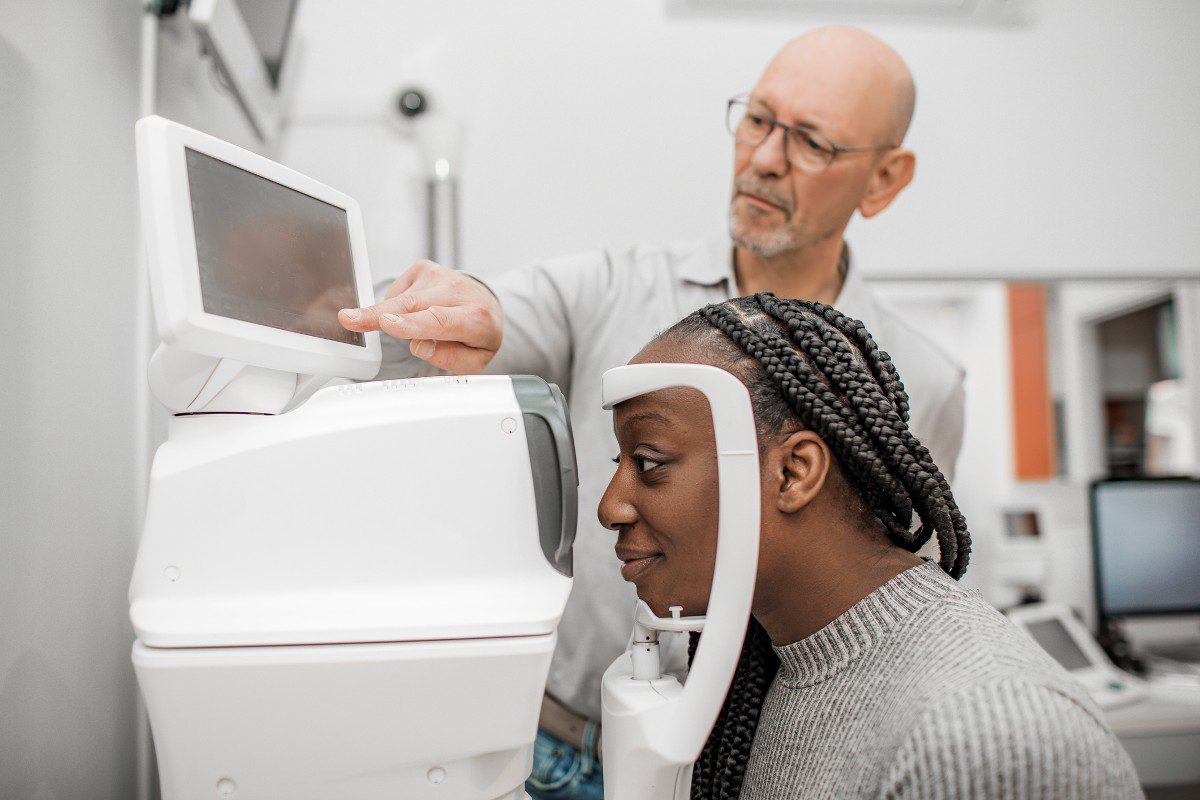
[1097, 581]
[174, 269]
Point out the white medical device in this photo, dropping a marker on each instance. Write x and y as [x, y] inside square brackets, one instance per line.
[1059, 633]
[654, 727]
[249, 263]
[357, 598]
[1157, 722]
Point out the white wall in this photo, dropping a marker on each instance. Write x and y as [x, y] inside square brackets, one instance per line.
[68, 96]
[1064, 147]
[75, 432]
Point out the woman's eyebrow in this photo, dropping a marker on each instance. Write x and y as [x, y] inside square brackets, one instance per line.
[648, 416]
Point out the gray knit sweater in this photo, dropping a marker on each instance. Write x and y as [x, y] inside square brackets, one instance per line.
[923, 690]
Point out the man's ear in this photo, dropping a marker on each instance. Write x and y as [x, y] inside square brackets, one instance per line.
[893, 172]
[803, 463]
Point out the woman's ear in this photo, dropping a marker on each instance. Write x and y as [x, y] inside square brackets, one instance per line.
[803, 462]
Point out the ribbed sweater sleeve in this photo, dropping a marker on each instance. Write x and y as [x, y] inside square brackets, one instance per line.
[1009, 739]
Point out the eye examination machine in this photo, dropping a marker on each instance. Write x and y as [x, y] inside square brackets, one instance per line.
[352, 591]
[357, 598]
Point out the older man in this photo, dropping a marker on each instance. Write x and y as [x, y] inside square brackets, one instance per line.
[817, 138]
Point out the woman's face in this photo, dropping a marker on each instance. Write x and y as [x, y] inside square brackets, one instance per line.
[662, 501]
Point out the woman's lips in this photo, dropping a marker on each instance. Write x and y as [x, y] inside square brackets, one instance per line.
[634, 567]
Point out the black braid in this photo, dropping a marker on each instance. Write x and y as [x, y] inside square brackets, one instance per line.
[812, 364]
[719, 771]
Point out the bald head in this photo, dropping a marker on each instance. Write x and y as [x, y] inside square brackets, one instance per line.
[848, 79]
[794, 195]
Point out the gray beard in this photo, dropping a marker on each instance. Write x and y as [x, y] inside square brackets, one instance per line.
[776, 242]
[767, 245]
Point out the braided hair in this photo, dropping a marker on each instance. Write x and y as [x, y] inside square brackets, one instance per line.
[808, 365]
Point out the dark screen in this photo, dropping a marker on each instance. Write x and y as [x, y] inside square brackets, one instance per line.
[1147, 546]
[1056, 641]
[269, 254]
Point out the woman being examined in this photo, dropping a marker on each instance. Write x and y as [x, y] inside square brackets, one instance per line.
[866, 670]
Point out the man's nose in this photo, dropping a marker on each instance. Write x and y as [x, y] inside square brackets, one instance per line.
[770, 157]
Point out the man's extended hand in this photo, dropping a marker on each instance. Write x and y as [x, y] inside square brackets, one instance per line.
[450, 319]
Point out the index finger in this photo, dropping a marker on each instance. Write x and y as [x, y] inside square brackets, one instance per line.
[367, 318]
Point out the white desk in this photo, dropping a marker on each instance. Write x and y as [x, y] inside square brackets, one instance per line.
[1161, 732]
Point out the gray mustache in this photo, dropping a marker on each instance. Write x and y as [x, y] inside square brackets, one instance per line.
[751, 186]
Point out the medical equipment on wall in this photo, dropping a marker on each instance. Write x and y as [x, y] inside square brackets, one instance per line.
[251, 44]
[654, 727]
[358, 597]
[439, 140]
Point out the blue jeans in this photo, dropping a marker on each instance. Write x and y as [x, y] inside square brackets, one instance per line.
[561, 772]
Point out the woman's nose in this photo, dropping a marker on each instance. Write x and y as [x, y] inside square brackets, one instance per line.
[615, 510]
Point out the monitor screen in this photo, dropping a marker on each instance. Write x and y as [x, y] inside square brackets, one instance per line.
[269, 254]
[1147, 546]
[270, 24]
[1054, 638]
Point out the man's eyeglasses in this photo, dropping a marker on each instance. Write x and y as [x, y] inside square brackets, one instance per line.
[804, 148]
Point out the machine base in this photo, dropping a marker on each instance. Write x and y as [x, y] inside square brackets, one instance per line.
[352, 720]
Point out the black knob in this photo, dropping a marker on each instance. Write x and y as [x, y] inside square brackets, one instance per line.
[411, 103]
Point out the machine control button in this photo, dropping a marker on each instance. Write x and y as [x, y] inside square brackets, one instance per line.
[508, 425]
[226, 787]
[171, 573]
[436, 775]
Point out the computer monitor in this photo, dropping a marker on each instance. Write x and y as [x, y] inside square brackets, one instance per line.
[250, 260]
[1146, 546]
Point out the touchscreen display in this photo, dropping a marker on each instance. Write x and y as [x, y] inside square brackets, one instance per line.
[269, 254]
[1056, 641]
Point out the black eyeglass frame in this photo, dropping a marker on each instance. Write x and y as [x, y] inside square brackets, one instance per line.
[824, 143]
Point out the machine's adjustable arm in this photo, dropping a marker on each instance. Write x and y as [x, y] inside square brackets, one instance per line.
[653, 730]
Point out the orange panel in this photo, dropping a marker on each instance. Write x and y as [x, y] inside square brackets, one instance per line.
[1034, 454]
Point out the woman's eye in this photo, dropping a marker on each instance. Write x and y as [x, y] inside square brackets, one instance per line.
[646, 464]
